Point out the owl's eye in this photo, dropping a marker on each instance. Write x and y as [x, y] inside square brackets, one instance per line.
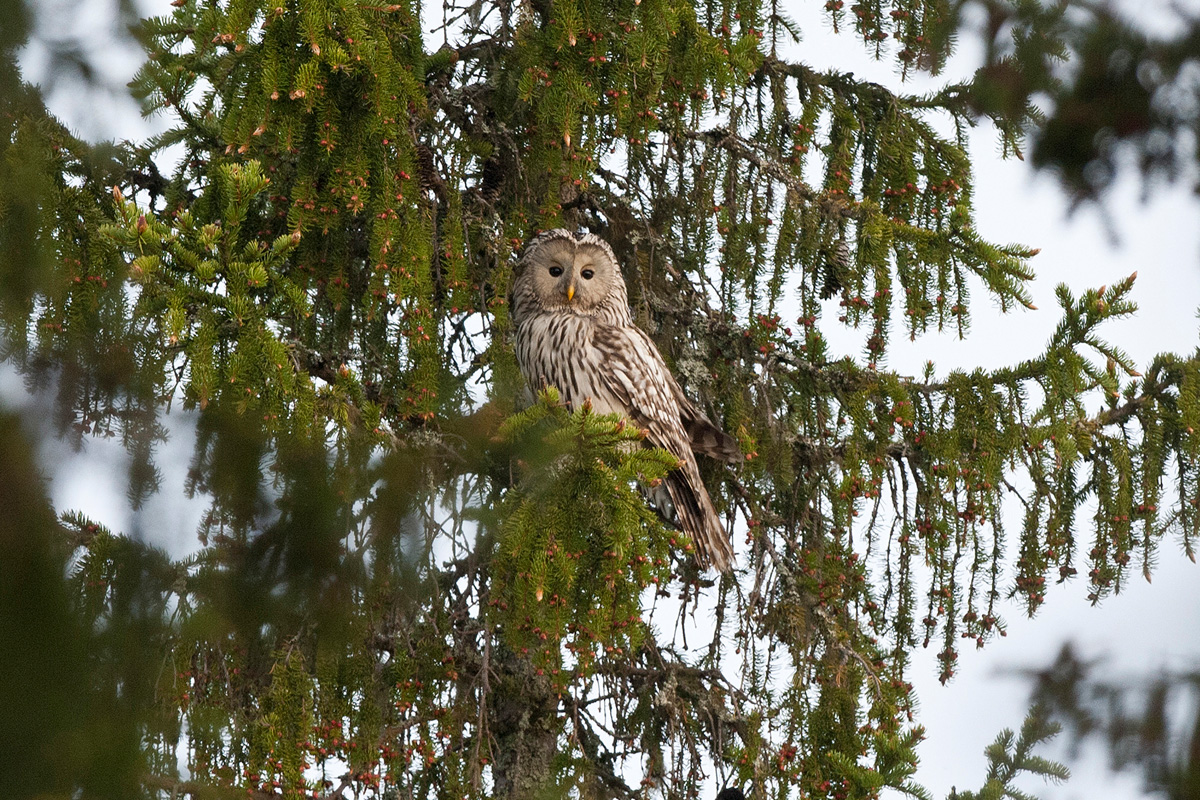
[555, 272]
[587, 274]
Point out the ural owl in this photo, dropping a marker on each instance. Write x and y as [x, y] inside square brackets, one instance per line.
[574, 332]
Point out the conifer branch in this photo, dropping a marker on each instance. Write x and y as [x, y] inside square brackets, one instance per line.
[1151, 391]
[740, 148]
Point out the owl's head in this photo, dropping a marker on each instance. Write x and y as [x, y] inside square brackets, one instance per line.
[572, 272]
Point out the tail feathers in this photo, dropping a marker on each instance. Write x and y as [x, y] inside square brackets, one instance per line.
[698, 519]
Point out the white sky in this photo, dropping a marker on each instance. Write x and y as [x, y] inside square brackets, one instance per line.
[1139, 632]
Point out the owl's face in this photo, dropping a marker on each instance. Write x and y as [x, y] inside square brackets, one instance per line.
[572, 272]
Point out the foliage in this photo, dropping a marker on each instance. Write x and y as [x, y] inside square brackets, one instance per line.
[595, 546]
[1136, 718]
[1114, 91]
[404, 588]
[1011, 755]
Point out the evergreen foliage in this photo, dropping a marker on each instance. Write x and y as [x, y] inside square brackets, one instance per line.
[405, 586]
[1141, 723]
[1012, 754]
[595, 546]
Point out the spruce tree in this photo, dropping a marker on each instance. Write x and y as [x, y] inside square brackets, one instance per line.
[412, 582]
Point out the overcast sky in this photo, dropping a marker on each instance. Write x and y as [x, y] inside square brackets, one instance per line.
[1139, 632]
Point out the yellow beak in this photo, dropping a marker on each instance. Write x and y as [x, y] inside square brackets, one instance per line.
[570, 292]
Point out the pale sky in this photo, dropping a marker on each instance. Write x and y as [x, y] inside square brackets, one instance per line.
[1139, 632]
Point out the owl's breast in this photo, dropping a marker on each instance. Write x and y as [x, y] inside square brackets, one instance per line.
[556, 350]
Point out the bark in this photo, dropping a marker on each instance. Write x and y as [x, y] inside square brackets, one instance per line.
[526, 728]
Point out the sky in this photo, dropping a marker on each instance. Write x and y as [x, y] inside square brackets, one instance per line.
[1136, 633]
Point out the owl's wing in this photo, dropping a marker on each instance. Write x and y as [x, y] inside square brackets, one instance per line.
[638, 385]
[631, 369]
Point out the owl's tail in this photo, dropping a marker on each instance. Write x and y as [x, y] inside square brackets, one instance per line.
[697, 517]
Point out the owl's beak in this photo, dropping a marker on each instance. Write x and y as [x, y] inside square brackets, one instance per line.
[570, 292]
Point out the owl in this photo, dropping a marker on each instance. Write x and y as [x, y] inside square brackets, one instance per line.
[574, 331]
